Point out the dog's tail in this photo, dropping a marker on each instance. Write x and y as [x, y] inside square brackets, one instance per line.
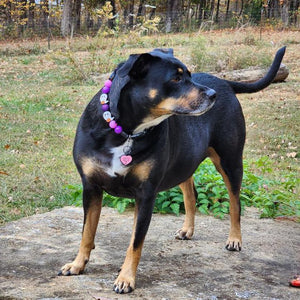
[240, 87]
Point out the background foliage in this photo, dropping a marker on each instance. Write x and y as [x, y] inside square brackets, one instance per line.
[27, 18]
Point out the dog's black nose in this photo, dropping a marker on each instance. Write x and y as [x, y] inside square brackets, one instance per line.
[211, 94]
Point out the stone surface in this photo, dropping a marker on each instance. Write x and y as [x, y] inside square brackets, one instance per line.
[34, 249]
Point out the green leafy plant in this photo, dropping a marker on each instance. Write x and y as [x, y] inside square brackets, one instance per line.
[271, 197]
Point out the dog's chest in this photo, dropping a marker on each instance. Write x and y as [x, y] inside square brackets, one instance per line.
[116, 167]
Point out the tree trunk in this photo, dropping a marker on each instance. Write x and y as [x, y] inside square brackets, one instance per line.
[172, 15]
[22, 23]
[242, 8]
[212, 8]
[31, 14]
[201, 11]
[77, 8]
[236, 6]
[66, 21]
[141, 9]
[227, 10]
[111, 22]
[217, 11]
[131, 13]
[45, 13]
[294, 6]
[285, 13]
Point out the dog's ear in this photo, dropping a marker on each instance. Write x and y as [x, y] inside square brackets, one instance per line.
[121, 78]
[136, 66]
[163, 53]
[141, 67]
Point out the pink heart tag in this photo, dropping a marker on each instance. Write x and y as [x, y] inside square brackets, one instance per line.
[126, 159]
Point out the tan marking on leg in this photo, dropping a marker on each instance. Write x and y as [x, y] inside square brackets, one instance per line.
[87, 241]
[235, 237]
[88, 166]
[142, 170]
[125, 282]
[187, 230]
[153, 93]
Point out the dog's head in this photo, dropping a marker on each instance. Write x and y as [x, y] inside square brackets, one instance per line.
[153, 86]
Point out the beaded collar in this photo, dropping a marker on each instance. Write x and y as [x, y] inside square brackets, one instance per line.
[126, 158]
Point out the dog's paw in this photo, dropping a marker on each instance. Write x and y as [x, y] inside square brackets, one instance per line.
[233, 245]
[184, 234]
[71, 269]
[124, 285]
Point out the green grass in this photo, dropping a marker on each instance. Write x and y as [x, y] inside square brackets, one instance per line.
[43, 93]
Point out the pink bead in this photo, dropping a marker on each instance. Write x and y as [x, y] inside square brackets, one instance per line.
[113, 124]
[118, 129]
[108, 83]
[105, 107]
[105, 90]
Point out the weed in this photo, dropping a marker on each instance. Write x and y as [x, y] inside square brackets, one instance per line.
[213, 197]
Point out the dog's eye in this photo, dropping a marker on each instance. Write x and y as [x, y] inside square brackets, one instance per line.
[177, 79]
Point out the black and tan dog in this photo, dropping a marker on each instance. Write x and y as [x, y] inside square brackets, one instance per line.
[148, 130]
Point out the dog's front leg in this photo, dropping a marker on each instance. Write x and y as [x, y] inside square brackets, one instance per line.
[92, 202]
[125, 282]
[189, 197]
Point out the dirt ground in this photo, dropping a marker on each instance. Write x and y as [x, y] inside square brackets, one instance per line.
[33, 250]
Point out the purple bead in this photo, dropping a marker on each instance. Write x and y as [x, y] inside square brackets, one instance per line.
[105, 90]
[118, 129]
[108, 83]
[105, 107]
[113, 124]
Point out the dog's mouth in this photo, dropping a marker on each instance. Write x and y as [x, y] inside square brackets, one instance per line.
[193, 103]
[198, 111]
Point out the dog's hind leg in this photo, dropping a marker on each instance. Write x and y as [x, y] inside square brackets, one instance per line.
[232, 173]
[92, 202]
[189, 197]
[125, 282]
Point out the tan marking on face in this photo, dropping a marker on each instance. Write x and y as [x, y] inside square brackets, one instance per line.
[167, 106]
[164, 107]
[153, 93]
[142, 170]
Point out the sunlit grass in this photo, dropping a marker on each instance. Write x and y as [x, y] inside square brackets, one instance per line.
[43, 93]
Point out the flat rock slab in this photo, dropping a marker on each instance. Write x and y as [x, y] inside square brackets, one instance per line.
[34, 249]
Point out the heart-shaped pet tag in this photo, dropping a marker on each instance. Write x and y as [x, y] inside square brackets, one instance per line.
[126, 159]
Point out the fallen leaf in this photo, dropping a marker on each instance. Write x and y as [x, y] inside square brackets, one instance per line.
[3, 173]
[7, 146]
[291, 154]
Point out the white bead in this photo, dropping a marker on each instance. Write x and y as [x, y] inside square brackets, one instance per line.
[107, 115]
[103, 99]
